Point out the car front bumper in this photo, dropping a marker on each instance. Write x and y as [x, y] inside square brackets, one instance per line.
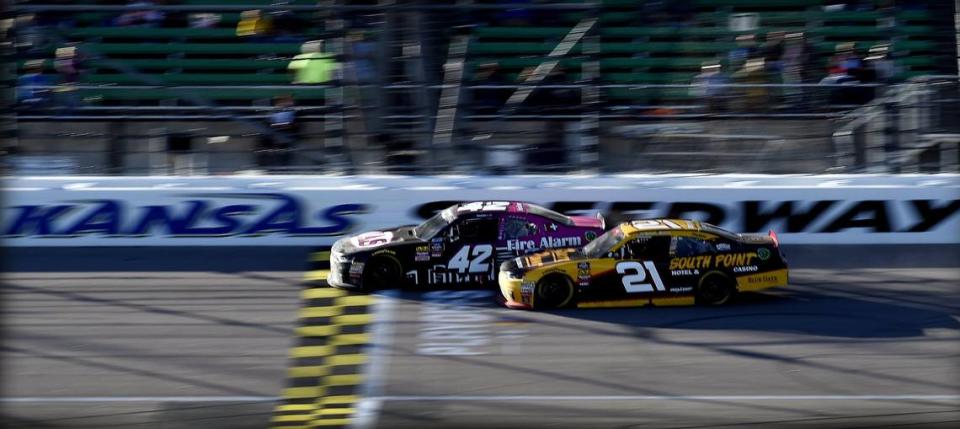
[513, 293]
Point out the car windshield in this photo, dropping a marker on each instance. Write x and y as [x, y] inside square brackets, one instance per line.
[549, 214]
[603, 244]
[430, 227]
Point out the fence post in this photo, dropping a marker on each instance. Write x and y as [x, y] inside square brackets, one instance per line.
[891, 140]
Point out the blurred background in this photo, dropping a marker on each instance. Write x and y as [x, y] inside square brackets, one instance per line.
[480, 86]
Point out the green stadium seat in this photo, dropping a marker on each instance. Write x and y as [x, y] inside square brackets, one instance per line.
[191, 79]
[151, 33]
[195, 48]
[175, 63]
[214, 94]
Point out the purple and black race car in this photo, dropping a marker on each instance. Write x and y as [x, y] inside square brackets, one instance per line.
[462, 246]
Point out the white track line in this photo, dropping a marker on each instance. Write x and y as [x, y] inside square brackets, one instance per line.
[377, 400]
[678, 398]
[368, 408]
[54, 399]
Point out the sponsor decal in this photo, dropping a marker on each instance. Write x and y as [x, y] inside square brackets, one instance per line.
[712, 261]
[371, 239]
[821, 216]
[422, 253]
[680, 273]
[763, 253]
[441, 275]
[583, 274]
[455, 323]
[745, 269]
[544, 243]
[356, 270]
[684, 289]
[436, 247]
[207, 215]
[723, 247]
[526, 289]
[762, 278]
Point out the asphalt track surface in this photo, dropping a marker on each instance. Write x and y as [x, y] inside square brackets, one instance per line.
[861, 338]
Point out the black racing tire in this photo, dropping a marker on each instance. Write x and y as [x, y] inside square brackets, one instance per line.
[381, 273]
[715, 288]
[554, 291]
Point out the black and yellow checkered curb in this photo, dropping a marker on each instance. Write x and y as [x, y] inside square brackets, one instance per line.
[326, 361]
[318, 267]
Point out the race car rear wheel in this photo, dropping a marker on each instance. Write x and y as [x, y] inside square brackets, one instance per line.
[381, 273]
[554, 291]
[715, 289]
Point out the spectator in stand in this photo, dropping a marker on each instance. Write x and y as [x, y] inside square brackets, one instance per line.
[846, 57]
[796, 58]
[275, 150]
[709, 85]
[362, 60]
[879, 61]
[753, 72]
[254, 25]
[840, 96]
[746, 48]
[30, 91]
[204, 20]
[140, 15]
[68, 63]
[772, 52]
[313, 66]
[489, 100]
[287, 26]
[31, 39]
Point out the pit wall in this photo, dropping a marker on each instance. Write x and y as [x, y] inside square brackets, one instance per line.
[318, 210]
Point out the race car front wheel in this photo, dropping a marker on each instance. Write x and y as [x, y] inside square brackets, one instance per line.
[381, 273]
[554, 291]
[715, 289]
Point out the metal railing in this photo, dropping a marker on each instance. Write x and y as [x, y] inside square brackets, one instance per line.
[914, 126]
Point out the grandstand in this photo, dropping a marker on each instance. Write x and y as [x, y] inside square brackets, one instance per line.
[636, 64]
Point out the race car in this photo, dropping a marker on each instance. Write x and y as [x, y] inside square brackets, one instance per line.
[646, 262]
[462, 246]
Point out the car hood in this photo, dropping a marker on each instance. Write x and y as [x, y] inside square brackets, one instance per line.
[549, 257]
[373, 240]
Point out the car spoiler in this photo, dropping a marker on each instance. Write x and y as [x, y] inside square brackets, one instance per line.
[773, 235]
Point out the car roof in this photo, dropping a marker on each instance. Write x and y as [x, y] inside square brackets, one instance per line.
[511, 207]
[649, 225]
[635, 227]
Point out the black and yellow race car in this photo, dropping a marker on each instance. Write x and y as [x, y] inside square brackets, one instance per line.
[646, 262]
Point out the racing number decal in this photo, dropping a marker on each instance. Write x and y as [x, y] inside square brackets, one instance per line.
[486, 206]
[463, 263]
[634, 274]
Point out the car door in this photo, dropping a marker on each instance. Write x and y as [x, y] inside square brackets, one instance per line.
[470, 251]
[688, 260]
[642, 260]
